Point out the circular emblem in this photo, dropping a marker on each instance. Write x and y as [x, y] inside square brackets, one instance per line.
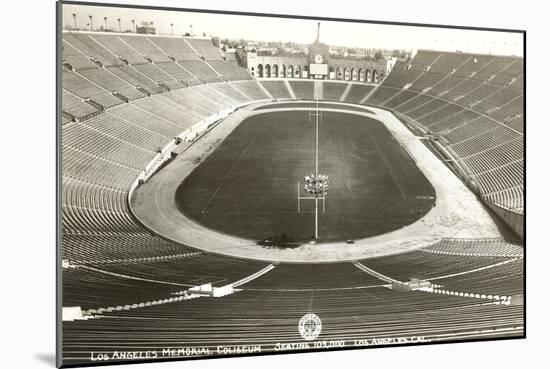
[310, 327]
[318, 59]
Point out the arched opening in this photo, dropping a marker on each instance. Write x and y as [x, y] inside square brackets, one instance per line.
[275, 70]
[283, 71]
[267, 70]
[330, 72]
[353, 74]
[346, 74]
[305, 68]
[260, 70]
[339, 73]
[290, 71]
[361, 75]
[375, 76]
[297, 72]
[368, 76]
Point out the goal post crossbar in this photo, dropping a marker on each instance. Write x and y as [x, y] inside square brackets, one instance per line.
[299, 197]
[315, 113]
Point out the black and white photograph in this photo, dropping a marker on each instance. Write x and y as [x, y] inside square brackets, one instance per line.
[234, 184]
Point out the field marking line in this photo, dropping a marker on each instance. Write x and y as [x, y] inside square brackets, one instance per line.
[228, 173]
[391, 171]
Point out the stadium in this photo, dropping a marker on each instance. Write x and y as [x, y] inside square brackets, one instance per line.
[211, 199]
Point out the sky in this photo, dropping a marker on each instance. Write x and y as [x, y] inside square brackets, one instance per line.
[363, 35]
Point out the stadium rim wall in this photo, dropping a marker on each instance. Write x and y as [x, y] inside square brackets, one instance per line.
[514, 220]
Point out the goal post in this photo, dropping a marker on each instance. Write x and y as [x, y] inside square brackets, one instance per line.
[299, 198]
[314, 114]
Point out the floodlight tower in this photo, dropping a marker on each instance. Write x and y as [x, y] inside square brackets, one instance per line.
[105, 20]
[119, 28]
[91, 25]
[74, 20]
[134, 25]
[172, 29]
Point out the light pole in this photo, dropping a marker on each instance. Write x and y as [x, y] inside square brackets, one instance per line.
[134, 25]
[74, 20]
[172, 29]
[119, 29]
[191, 34]
[91, 25]
[105, 20]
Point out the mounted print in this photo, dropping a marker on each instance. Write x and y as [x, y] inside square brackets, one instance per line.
[240, 184]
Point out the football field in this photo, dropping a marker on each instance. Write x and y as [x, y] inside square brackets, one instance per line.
[248, 186]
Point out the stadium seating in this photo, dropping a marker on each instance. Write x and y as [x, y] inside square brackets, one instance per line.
[193, 102]
[135, 78]
[504, 279]
[205, 48]
[152, 89]
[146, 120]
[275, 313]
[178, 73]
[357, 93]
[111, 82]
[167, 112]
[109, 147]
[202, 70]
[92, 48]
[474, 104]
[496, 247]
[126, 130]
[108, 290]
[76, 107]
[333, 90]
[75, 58]
[80, 210]
[176, 47]
[119, 48]
[230, 91]
[251, 89]
[229, 70]
[422, 265]
[216, 96]
[86, 89]
[277, 89]
[339, 275]
[302, 89]
[145, 47]
[86, 166]
[156, 74]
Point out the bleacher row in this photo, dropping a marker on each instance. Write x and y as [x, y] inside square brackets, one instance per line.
[474, 104]
[104, 154]
[349, 302]
[124, 63]
[501, 273]
[125, 113]
[274, 317]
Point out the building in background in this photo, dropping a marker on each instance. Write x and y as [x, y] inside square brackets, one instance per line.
[146, 28]
[316, 62]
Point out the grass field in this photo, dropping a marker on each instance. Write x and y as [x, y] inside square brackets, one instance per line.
[247, 186]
